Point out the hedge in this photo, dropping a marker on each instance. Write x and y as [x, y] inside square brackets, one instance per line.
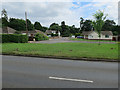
[15, 38]
[40, 37]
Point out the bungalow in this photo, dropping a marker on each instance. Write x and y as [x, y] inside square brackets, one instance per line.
[31, 34]
[49, 32]
[93, 35]
[7, 30]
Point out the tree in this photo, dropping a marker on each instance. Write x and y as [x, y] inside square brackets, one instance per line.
[44, 28]
[116, 30]
[55, 27]
[65, 31]
[109, 25]
[4, 14]
[4, 18]
[30, 26]
[87, 26]
[53, 24]
[63, 23]
[17, 24]
[81, 23]
[4, 22]
[99, 22]
[37, 26]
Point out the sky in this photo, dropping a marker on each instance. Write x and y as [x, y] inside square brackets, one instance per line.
[55, 11]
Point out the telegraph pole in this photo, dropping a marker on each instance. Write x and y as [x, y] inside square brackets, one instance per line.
[26, 23]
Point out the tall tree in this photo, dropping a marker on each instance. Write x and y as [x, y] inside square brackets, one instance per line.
[38, 26]
[4, 14]
[99, 22]
[81, 23]
[53, 24]
[30, 26]
[65, 29]
[17, 24]
[4, 18]
[87, 26]
[109, 25]
[55, 27]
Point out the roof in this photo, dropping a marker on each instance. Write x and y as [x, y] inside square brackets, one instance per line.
[0, 30]
[107, 33]
[86, 32]
[102, 32]
[49, 31]
[34, 32]
[38, 31]
[7, 30]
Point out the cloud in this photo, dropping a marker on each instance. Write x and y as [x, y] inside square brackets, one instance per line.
[48, 12]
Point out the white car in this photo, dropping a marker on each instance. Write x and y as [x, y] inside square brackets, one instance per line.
[72, 36]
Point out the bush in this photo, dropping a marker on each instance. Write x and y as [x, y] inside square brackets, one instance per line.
[53, 35]
[40, 37]
[77, 34]
[15, 38]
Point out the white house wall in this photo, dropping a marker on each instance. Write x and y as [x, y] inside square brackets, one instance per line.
[103, 37]
[94, 35]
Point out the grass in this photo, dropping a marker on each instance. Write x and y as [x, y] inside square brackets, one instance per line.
[67, 50]
[79, 39]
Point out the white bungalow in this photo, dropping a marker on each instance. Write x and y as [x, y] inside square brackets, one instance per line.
[93, 35]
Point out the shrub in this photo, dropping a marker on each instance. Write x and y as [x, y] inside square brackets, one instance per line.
[15, 38]
[53, 35]
[77, 34]
[40, 37]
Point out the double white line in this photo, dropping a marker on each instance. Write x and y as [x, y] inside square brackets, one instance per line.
[69, 79]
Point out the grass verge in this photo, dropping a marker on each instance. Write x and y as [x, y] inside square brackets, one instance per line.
[63, 50]
[79, 39]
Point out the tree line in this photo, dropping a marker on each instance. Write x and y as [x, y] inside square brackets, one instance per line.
[66, 30]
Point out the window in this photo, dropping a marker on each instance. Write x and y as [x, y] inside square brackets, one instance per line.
[106, 36]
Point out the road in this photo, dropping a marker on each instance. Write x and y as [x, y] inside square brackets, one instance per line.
[31, 72]
[67, 40]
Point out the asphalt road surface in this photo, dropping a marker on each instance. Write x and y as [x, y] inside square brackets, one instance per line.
[67, 40]
[31, 72]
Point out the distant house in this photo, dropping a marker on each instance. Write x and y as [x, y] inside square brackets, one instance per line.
[93, 35]
[7, 30]
[48, 32]
[31, 34]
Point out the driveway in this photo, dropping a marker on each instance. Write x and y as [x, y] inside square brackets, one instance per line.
[67, 40]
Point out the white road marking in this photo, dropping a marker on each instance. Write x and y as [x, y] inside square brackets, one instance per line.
[69, 79]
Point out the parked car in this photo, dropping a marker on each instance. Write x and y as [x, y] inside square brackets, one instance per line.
[72, 36]
[80, 37]
[49, 35]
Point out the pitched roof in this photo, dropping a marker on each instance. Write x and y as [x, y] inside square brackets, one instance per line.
[86, 32]
[48, 32]
[38, 31]
[34, 32]
[7, 30]
[102, 32]
[0, 30]
[106, 32]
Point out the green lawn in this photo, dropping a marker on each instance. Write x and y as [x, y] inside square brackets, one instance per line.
[67, 50]
[79, 39]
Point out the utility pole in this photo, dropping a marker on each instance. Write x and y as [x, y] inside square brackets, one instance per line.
[26, 23]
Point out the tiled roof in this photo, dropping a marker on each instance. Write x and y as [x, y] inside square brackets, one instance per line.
[102, 32]
[7, 30]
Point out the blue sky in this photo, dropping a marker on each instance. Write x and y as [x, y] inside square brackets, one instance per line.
[70, 12]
